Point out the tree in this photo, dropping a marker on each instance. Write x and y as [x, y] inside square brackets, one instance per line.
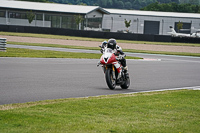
[136, 4]
[78, 19]
[30, 16]
[179, 26]
[127, 24]
[36, 0]
[120, 4]
[128, 5]
[195, 2]
[172, 7]
[102, 3]
[149, 5]
[110, 3]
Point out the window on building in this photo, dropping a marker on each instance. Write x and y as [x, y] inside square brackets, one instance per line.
[2, 14]
[68, 22]
[65, 20]
[23, 16]
[55, 21]
[94, 22]
[39, 17]
[47, 17]
[17, 15]
[12, 15]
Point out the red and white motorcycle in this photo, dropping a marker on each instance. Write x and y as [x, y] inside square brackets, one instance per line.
[114, 71]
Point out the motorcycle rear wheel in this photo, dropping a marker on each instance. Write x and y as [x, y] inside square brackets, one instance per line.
[126, 84]
[109, 79]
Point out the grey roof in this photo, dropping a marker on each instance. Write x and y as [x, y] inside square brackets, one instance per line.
[153, 13]
[50, 7]
[78, 9]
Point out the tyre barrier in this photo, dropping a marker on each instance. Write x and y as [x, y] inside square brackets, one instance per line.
[2, 44]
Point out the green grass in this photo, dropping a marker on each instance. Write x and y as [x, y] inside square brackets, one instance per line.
[54, 45]
[154, 112]
[17, 52]
[97, 48]
[163, 52]
[94, 39]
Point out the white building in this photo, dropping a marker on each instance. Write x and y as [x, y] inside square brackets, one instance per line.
[148, 22]
[50, 15]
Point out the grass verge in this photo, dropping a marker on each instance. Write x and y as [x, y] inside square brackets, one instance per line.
[54, 45]
[154, 112]
[94, 39]
[96, 48]
[17, 52]
[162, 52]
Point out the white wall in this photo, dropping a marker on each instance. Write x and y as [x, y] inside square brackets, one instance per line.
[116, 23]
[2, 20]
[94, 14]
[24, 22]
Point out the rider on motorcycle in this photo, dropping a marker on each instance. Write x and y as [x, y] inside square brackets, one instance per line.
[112, 43]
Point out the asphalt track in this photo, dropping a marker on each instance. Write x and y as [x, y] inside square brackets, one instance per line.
[34, 79]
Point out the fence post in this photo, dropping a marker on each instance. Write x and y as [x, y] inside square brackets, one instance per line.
[2, 44]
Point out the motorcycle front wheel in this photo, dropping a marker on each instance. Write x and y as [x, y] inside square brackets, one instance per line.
[111, 82]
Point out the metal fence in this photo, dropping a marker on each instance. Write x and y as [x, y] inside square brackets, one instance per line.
[98, 34]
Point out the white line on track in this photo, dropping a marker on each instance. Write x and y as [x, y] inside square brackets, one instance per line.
[187, 88]
[183, 88]
[145, 59]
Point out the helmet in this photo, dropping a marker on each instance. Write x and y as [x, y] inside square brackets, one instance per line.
[112, 43]
[103, 44]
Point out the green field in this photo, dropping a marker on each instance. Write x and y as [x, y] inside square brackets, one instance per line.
[153, 112]
[97, 48]
[94, 39]
[17, 52]
[100, 40]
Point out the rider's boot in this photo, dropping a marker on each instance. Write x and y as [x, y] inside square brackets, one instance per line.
[125, 69]
[119, 77]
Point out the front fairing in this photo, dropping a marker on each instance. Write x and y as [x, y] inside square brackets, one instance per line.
[108, 57]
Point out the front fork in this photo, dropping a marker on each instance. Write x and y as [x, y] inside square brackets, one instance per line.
[113, 71]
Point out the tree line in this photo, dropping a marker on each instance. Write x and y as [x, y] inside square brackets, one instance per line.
[147, 5]
[172, 7]
[117, 4]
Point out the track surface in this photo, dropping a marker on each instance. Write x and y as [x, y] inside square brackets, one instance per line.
[34, 79]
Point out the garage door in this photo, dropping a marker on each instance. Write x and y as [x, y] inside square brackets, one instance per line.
[151, 27]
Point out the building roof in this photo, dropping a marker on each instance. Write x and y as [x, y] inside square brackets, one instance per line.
[153, 13]
[79, 9]
[50, 7]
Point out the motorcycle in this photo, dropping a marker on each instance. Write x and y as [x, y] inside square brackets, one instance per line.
[114, 71]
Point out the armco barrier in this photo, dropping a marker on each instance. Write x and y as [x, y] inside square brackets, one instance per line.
[2, 44]
[98, 34]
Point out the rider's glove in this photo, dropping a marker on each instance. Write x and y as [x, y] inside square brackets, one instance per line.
[101, 50]
[121, 57]
[98, 63]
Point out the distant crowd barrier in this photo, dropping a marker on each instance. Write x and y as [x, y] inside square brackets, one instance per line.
[2, 44]
[97, 34]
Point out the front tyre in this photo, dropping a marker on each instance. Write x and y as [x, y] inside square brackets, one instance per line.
[111, 82]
